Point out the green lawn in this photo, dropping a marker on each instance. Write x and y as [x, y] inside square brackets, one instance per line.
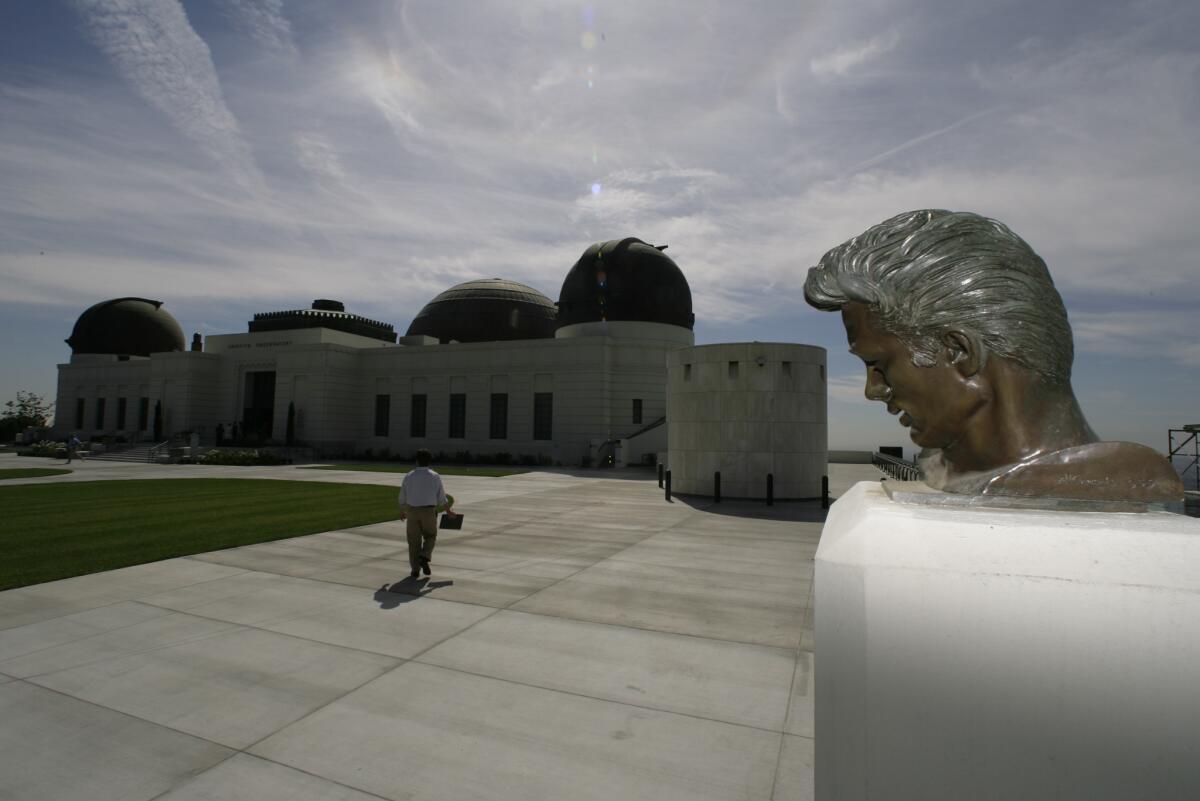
[30, 472]
[52, 531]
[391, 467]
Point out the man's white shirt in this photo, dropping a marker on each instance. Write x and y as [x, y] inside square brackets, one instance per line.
[422, 487]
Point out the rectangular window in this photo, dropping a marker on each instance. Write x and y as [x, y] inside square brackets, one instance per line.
[458, 415]
[99, 414]
[79, 413]
[543, 415]
[498, 425]
[637, 410]
[416, 422]
[687, 372]
[121, 414]
[383, 414]
[787, 368]
[143, 414]
[733, 369]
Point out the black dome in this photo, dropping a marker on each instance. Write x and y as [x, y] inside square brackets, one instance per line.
[625, 279]
[126, 327]
[487, 310]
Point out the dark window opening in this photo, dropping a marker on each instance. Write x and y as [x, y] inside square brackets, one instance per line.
[79, 403]
[543, 415]
[383, 413]
[416, 423]
[100, 414]
[733, 369]
[143, 414]
[498, 424]
[687, 372]
[458, 415]
[637, 410]
[787, 368]
[121, 408]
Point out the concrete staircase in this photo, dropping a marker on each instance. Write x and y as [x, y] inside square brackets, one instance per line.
[134, 453]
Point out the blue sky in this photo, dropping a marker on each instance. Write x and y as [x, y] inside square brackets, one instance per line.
[235, 156]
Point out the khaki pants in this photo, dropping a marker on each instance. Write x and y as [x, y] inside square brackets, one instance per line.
[422, 533]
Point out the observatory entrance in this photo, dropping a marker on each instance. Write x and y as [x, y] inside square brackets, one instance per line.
[259, 411]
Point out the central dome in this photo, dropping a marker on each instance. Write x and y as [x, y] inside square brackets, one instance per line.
[486, 310]
[625, 279]
[126, 327]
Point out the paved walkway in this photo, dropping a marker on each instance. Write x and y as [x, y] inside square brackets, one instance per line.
[581, 638]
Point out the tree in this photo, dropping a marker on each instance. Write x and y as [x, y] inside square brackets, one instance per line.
[29, 409]
[290, 436]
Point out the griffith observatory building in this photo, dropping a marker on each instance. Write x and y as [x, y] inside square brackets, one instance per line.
[608, 374]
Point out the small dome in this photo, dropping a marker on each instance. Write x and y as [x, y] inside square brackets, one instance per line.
[625, 279]
[487, 310]
[126, 327]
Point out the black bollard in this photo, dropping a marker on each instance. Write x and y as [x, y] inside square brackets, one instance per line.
[717, 487]
[660, 475]
[770, 489]
[668, 493]
[824, 492]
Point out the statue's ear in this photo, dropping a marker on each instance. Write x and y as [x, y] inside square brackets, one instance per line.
[964, 351]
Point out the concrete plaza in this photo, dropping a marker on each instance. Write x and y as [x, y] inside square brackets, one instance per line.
[580, 638]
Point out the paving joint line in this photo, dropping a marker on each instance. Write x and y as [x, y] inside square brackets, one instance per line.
[577, 694]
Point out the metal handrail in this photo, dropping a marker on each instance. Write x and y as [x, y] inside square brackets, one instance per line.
[155, 450]
[896, 468]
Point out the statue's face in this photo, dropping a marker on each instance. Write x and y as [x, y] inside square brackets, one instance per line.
[934, 403]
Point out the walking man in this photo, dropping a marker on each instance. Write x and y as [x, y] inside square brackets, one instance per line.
[421, 495]
[73, 446]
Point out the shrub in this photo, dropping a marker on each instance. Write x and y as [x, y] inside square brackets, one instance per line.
[528, 460]
[44, 448]
[243, 457]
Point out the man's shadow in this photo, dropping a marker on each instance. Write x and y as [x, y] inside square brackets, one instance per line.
[389, 596]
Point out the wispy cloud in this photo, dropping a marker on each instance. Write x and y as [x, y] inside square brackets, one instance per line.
[318, 155]
[156, 50]
[264, 21]
[879, 158]
[843, 60]
[1154, 334]
[847, 388]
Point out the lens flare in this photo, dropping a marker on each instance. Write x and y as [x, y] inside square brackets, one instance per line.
[596, 188]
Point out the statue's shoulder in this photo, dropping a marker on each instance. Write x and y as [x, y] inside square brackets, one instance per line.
[1114, 471]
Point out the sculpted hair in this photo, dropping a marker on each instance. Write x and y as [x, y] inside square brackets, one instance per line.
[926, 272]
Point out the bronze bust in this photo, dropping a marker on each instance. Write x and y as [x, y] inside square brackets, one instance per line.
[964, 336]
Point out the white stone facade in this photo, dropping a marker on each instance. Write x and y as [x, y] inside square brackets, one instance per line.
[593, 372]
[747, 409]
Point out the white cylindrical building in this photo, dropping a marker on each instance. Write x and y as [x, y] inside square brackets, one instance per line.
[747, 409]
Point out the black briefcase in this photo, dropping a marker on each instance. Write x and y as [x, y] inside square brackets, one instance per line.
[450, 522]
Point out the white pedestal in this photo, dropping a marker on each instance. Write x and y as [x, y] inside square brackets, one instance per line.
[967, 654]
